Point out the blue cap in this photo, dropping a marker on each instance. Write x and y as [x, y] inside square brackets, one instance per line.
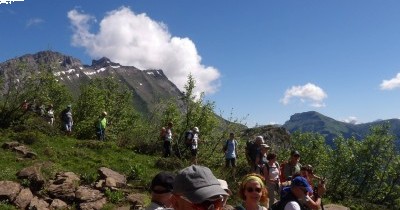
[300, 181]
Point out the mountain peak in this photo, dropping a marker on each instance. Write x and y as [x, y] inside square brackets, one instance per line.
[103, 62]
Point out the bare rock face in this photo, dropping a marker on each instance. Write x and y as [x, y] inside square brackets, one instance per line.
[23, 199]
[96, 205]
[86, 194]
[111, 182]
[9, 190]
[33, 174]
[119, 178]
[23, 150]
[58, 204]
[38, 204]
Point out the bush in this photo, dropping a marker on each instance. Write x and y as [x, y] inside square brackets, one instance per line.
[114, 196]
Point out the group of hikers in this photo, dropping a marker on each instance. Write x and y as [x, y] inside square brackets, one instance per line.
[66, 117]
[268, 185]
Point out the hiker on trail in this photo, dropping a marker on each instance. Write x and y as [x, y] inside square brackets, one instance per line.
[230, 149]
[194, 145]
[66, 118]
[252, 151]
[50, 115]
[296, 198]
[101, 126]
[161, 191]
[261, 158]
[166, 136]
[252, 191]
[224, 186]
[196, 187]
[271, 175]
[25, 105]
[291, 167]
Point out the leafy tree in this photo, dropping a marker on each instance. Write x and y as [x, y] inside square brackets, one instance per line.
[104, 94]
[35, 86]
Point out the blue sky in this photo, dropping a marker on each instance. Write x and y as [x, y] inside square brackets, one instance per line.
[263, 60]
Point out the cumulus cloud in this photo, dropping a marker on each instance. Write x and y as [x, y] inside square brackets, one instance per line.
[137, 40]
[351, 119]
[34, 21]
[391, 84]
[309, 93]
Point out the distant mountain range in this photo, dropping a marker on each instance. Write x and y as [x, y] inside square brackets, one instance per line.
[330, 128]
[148, 86]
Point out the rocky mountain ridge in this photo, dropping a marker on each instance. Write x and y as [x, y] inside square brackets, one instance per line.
[148, 86]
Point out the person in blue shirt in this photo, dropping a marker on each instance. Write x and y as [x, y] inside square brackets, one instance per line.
[230, 150]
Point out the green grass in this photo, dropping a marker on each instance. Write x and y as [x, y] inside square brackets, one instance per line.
[61, 154]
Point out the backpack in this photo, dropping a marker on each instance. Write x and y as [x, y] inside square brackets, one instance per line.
[226, 145]
[261, 168]
[188, 138]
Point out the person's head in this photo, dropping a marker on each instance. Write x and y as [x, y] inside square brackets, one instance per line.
[69, 106]
[161, 188]
[264, 148]
[231, 136]
[104, 114]
[170, 124]
[294, 157]
[259, 140]
[224, 185]
[271, 157]
[196, 187]
[252, 188]
[196, 130]
[300, 187]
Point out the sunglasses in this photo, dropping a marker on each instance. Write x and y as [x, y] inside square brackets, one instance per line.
[250, 189]
[213, 203]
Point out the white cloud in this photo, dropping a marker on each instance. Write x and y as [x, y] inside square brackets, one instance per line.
[34, 21]
[352, 120]
[137, 40]
[307, 93]
[391, 84]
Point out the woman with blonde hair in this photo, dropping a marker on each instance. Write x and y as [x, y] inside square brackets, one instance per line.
[253, 192]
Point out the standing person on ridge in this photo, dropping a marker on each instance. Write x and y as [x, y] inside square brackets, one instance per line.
[231, 154]
[50, 115]
[166, 135]
[66, 118]
[194, 145]
[101, 126]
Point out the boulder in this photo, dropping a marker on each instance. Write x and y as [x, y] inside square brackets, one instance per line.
[58, 204]
[69, 177]
[10, 145]
[63, 191]
[38, 204]
[95, 205]
[136, 199]
[9, 190]
[33, 174]
[110, 182]
[86, 194]
[31, 155]
[119, 178]
[23, 150]
[24, 198]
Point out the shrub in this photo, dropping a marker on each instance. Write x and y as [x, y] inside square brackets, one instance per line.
[114, 196]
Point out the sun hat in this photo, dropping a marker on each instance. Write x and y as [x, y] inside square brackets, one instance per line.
[197, 183]
[224, 186]
[300, 181]
[163, 180]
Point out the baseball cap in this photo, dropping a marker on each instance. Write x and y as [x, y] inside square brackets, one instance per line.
[196, 129]
[197, 183]
[265, 146]
[165, 180]
[295, 153]
[300, 181]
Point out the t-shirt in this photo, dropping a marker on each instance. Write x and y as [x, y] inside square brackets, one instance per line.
[273, 172]
[195, 141]
[289, 170]
[230, 148]
[168, 134]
